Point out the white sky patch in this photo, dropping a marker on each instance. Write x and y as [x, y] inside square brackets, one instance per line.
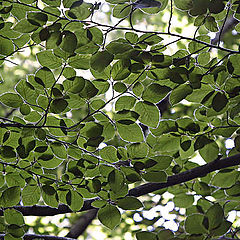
[156, 198]
[137, 217]
[229, 143]
[102, 145]
[105, 8]
[231, 216]
[212, 35]
[198, 159]
[171, 225]
[234, 32]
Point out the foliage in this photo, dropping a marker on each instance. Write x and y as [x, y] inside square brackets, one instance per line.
[96, 110]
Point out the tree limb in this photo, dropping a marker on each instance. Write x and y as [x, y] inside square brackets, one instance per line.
[140, 190]
[37, 236]
[229, 24]
[38, 210]
[82, 223]
[186, 176]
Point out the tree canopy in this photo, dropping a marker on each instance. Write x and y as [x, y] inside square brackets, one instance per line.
[116, 110]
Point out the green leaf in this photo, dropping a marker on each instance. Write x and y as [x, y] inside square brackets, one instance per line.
[150, 39]
[211, 24]
[194, 224]
[6, 46]
[146, 235]
[14, 179]
[225, 178]
[92, 129]
[215, 216]
[109, 216]
[121, 10]
[58, 105]
[130, 133]
[31, 195]
[155, 93]
[131, 37]
[81, 11]
[234, 62]
[202, 188]
[89, 90]
[48, 59]
[209, 152]
[55, 3]
[180, 93]
[99, 203]
[80, 61]
[37, 18]
[183, 200]
[49, 195]
[162, 162]
[11, 100]
[109, 154]
[59, 150]
[184, 4]
[74, 200]
[27, 92]
[15, 232]
[101, 85]
[165, 234]
[216, 6]
[149, 113]
[129, 203]
[199, 7]
[219, 101]
[13, 216]
[120, 69]
[201, 141]
[45, 77]
[52, 39]
[137, 150]
[10, 197]
[222, 229]
[24, 26]
[125, 102]
[69, 42]
[120, 87]
[165, 126]
[101, 60]
[159, 176]
[167, 143]
[116, 180]
[118, 48]
[7, 152]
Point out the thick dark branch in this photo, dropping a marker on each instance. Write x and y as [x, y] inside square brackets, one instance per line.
[37, 210]
[187, 175]
[229, 25]
[82, 223]
[140, 190]
[36, 236]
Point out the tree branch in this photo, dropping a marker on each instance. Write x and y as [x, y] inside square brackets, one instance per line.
[37, 236]
[229, 24]
[38, 210]
[186, 176]
[82, 223]
[140, 190]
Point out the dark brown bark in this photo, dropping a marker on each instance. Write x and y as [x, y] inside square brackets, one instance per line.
[82, 223]
[140, 190]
